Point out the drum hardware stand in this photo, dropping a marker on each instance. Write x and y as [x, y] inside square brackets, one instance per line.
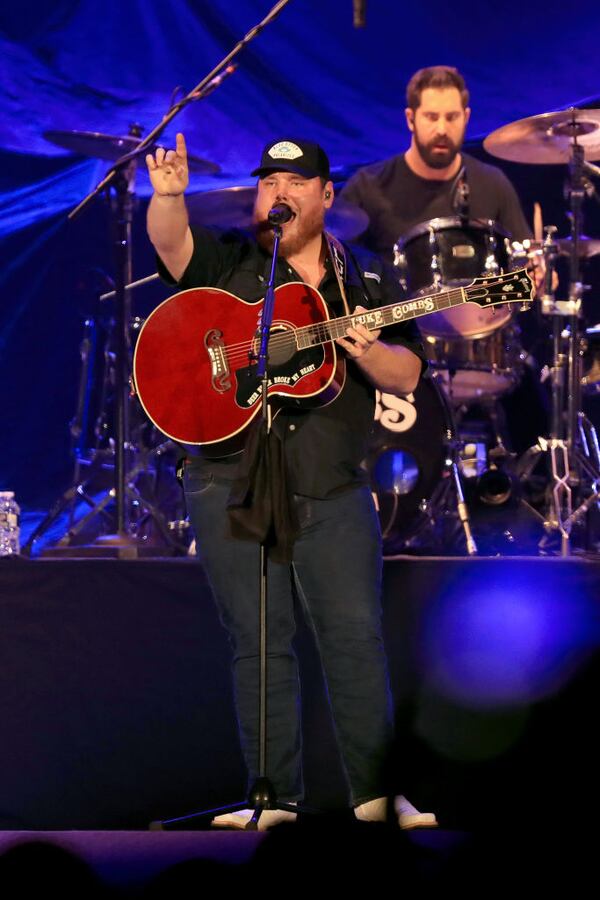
[573, 444]
[450, 491]
[133, 494]
[98, 507]
[579, 457]
[122, 178]
[99, 458]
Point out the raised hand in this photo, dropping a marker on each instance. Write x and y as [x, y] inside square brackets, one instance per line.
[168, 169]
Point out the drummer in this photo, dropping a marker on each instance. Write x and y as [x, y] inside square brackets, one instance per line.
[434, 177]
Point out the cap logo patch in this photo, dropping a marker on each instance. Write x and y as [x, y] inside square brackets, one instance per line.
[285, 150]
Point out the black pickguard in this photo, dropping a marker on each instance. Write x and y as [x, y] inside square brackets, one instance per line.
[287, 375]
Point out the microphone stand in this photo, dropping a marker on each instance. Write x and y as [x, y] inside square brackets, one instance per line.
[262, 793]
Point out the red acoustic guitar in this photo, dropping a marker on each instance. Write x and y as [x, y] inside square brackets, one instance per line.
[195, 356]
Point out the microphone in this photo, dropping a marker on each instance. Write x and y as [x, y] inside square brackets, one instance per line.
[280, 214]
[359, 13]
[460, 201]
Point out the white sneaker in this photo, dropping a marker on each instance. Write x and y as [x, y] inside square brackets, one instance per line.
[239, 819]
[372, 811]
[408, 815]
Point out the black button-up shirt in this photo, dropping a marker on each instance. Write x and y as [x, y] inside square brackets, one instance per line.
[324, 446]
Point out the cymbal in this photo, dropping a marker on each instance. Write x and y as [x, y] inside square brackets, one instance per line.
[547, 138]
[587, 246]
[232, 208]
[112, 147]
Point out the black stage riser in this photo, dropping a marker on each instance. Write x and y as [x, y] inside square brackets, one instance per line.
[117, 709]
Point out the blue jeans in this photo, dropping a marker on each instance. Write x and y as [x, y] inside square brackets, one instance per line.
[336, 570]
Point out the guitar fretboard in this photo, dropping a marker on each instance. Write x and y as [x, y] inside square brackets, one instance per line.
[310, 335]
[510, 288]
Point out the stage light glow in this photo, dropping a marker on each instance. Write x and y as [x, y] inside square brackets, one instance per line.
[507, 643]
[396, 472]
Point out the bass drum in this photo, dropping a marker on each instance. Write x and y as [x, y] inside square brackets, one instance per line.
[476, 351]
[406, 456]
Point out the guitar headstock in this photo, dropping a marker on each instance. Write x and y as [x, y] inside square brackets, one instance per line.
[510, 287]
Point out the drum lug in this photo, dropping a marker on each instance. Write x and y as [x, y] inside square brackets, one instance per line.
[491, 263]
[400, 264]
[399, 257]
[436, 273]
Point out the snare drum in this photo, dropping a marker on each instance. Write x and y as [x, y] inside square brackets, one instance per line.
[477, 351]
[481, 369]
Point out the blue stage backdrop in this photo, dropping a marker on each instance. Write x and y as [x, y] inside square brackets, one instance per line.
[83, 65]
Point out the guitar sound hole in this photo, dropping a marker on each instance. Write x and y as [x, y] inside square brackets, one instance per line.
[282, 345]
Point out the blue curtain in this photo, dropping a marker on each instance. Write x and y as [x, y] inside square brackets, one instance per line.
[82, 65]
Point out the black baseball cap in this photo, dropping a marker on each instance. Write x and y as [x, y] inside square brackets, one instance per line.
[302, 157]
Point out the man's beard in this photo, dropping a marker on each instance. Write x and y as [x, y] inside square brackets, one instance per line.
[437, 160]
[306, 229]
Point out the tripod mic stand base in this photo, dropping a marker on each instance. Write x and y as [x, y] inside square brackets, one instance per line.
[262, 798]
[262, 794]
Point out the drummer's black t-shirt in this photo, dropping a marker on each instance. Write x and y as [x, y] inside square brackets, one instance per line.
[396, 200]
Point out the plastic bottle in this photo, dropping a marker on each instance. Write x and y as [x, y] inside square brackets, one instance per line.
[10, 535]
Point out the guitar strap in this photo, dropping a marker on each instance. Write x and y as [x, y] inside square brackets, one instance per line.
[337, 255]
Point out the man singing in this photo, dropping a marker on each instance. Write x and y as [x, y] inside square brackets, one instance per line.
[335, 561]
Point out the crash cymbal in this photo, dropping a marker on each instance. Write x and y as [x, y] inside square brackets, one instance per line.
[112, 147]
[547, 138]
[588, 246]
[226, 208]
[232, 208]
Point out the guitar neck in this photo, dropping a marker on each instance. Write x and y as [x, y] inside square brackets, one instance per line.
[408, 309]
[373, 319]
[514, 287]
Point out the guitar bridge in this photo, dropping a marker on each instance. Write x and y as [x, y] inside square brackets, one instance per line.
[220, 377]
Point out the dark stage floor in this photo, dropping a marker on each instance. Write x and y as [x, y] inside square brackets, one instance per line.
[298, 860]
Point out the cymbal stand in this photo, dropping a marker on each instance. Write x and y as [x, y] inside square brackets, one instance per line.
[573, 442]
[121, 540]
[451, 490]
[94, 454]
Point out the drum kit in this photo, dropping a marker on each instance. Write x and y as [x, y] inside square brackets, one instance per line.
[449, 440]
[478, 359]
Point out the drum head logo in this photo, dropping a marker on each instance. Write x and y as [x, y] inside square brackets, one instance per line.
[397, 414]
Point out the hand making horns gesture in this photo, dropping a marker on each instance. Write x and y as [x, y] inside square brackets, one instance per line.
[168, 169]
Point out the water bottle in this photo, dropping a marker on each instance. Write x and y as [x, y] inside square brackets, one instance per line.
[9, 525]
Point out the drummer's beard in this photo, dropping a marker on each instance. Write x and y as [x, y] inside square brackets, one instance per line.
[295, 234]
[434, 158]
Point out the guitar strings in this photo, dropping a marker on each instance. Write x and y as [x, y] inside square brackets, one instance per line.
[238, 353]
[241, 351]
